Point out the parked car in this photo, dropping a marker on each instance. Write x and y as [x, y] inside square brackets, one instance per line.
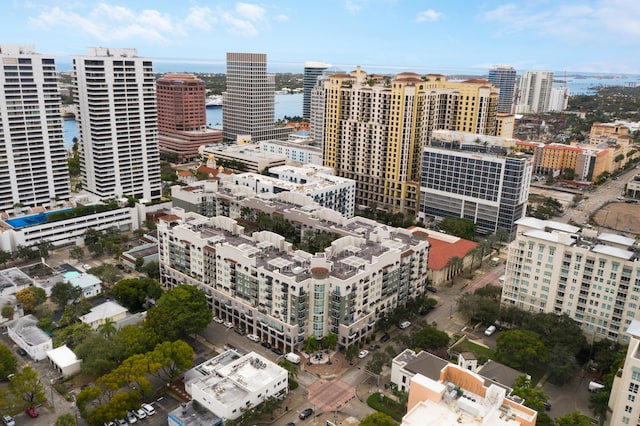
[228, 324]
[148, 409]
[307, 412]
[253, 337]
[31, 412]
[405, 324]
[8, 421]
[22, 352]
[385, 337]
[121, 422]
[131, 418]
[239, 331]
[86, 266]
[363, 353]
[277, 351]
[266, 345]
[432, 289]
[490, 330]
[140, 414]
[218, 320]
[374, 347]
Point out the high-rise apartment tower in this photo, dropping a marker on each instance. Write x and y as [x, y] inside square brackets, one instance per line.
[32, 153]
[248, 103]
[312, 70]
[534, 92]
[373, 128]
[624, 401]
[116, 99]
[504, 77]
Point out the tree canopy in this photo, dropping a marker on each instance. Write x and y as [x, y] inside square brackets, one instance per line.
[8, 361]
[463, 228]
[133, 293]
[64, 292]
[26, 388]
[377, 419]
[520, 349]
[179, 312]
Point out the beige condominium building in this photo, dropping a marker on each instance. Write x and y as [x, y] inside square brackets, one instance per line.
[592, 277]
[624, 400]
[262, 284]
[373, 128]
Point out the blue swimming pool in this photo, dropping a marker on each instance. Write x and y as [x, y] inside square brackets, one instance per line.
[34, 219]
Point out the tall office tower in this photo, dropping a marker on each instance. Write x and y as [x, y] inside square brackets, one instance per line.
[534, 92]
[504, 77]
[592, 277]
[32, 153]
[373, 128]
[624, 401]
[182, 120]
[312, 70]
[248, 103]
[115, 94]
[472, 177]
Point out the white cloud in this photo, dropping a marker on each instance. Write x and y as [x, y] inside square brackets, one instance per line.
[282, 18]
[251, 12]
[354, 6]
[601, 20]
[201, 18]
[428, 15]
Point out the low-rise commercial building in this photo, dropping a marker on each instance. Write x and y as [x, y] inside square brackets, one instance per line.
[298, 149]
[247, 157]
[64, 361]
[24, 332]
[229, 383]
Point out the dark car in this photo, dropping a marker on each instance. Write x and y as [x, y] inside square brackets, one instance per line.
[239, 331]
[374, 347]
[31, 412]
[307, 412]
[547, 405]
[290, 424]
[277, 351]
[385, 337]
[21, 352]
[432, 289]
[266, 345]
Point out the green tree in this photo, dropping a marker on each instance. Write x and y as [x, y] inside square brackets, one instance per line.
[107, 328]
[98, 355]
[311, 344]
[5, 256]
[563, 366]
[171, 359]
[26, 388]
[133, 293]
[139, 263]
[72, 335]
[291, 368]
[533, 397]
[31, 297]
[74, 311]
[134, 339]
[66, 419]
[45, 324]
[8, 361]
[330, 341]
[377, 362]
[463, 228]
[430, 338]
[181, 311]
[77, 252]
[152, 270]
[351, 352]
[520, 349]
[378, 419]
[572, 419]
[63, 292]
[7, 311]
[599, 404]
[478, 308]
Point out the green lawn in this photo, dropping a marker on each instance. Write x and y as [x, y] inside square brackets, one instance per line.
[479, 351]
[387, 406]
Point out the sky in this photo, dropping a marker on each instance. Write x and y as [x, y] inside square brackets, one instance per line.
[448, 36]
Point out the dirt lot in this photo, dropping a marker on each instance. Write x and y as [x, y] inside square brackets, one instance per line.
[622, 217]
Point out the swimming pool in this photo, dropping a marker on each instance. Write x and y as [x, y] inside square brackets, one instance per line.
[34, 219]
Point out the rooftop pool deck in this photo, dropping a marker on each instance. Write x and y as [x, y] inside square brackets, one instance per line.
[34, 219]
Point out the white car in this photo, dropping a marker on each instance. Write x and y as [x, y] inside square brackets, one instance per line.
[148, 409]
[218, 320]
[228, 324]
[490, 330]
[131, 418]
[405, 324]
[86, 266]
[363, 354]
[253, 338]
[140, 414]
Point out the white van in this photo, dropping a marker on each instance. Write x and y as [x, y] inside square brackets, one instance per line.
[291, 357]
[595, 386]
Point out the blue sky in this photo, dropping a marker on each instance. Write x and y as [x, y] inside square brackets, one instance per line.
[447, 36]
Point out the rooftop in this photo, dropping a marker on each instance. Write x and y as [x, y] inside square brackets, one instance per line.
[27, 330]
[105, 310]
[62, 356]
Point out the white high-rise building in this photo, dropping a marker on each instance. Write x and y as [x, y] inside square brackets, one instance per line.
[116, 100]
[559, 99]
[624, 401]
[534, 92]
[33, 159]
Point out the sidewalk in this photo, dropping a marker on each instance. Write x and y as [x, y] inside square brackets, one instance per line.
[324, 370]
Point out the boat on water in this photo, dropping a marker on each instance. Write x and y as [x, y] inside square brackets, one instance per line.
[213, 101]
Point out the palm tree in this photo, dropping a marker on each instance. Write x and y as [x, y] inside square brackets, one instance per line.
[454, 266]
[599, 404]
[485, 247]
[291, 368]
[107, 328]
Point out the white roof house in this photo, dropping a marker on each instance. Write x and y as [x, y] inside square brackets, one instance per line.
[90, 284]
[64, 360]
[100, 313]
[34, 341]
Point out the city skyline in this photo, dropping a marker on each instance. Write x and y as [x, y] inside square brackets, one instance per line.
[379, 35]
